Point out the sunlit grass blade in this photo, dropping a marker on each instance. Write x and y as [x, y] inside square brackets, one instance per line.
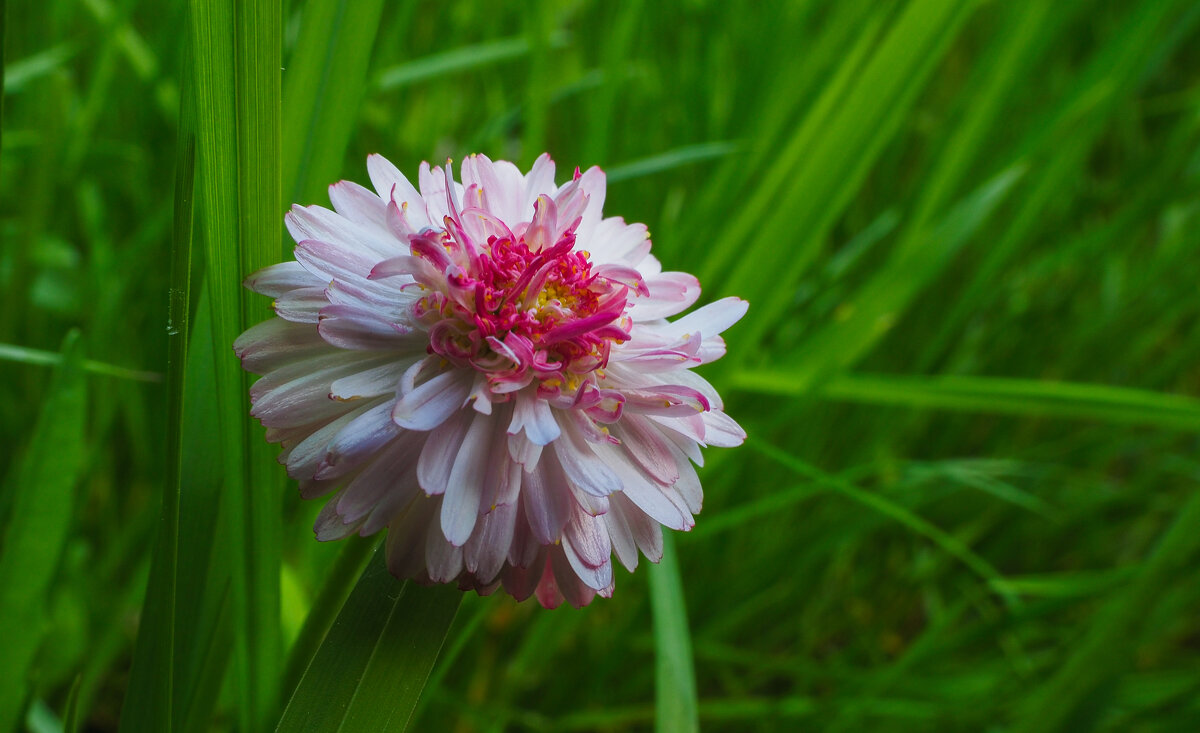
[999, 395]
[675, 708]
[670, 160]
[458, 60]
[826, 161]
[26, 355]
[40, 517]
[369, 672]
[1064, 140]
[19, 73]
[326, 78]
[877, 305]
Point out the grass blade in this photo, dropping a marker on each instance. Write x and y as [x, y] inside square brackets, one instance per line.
[258, 39]
[860, 111]
[1070, 699]
[458, 60]
[339, 582]
[325, 83]
[369, 672]
[675, 707]
[671, 159]
[43, 510]
[149, 699]
[1006, 396]
[26, 355]
[951, 544]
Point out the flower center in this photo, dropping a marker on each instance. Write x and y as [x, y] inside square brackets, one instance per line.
[516, 313]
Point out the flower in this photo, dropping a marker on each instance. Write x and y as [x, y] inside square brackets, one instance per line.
[486, 369]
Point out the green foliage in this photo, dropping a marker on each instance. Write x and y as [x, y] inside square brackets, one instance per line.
[371, 668]
[969, 370]
[39, 522]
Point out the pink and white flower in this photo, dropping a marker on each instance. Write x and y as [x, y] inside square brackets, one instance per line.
[486, 368]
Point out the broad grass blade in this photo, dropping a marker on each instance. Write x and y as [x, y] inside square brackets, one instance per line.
[369, 672]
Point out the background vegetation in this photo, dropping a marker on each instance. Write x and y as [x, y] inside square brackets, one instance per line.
[968, 232]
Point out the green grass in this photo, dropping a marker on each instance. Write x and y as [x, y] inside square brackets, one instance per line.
[970, 371]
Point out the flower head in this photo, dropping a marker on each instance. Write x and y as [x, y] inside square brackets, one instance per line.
[486, 369]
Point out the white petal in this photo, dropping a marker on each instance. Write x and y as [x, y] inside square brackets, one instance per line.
[329, 526]
[276, 343]
[722, 431]
[460, 507]
[486, 551]
[547, 502]
[360, 439]
[428, 406]
[646, 532]
[301, 305]
[348, 327]
[643, 492]
[384, 486]
[382, 380]
[444, 560]
[646, 445]
[620, 536]
[536, 418]
[670, 293]
[321, 224]
[359, 205]
[303, 459]
[276, 280]
[392, 185]
[437, 457]
[582, 466]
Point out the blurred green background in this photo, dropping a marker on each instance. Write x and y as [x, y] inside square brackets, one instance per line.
[968, 232]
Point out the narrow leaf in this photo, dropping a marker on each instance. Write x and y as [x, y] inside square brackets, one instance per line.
[43, 509]
[675, 708]
[1000, 395]
[326, 78]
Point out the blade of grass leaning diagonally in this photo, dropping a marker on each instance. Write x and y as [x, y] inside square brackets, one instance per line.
[26, 355]
[457, 60]
[43, 509]
[1065, 138]
[258, 44]
[150, 695]
[325, 81]
[923, 249]
[1069, 701]
[875, 307]
[838, 142]
[369, 672]
[948, 542]
[675, 706]
[339, 582]
[998, 395]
